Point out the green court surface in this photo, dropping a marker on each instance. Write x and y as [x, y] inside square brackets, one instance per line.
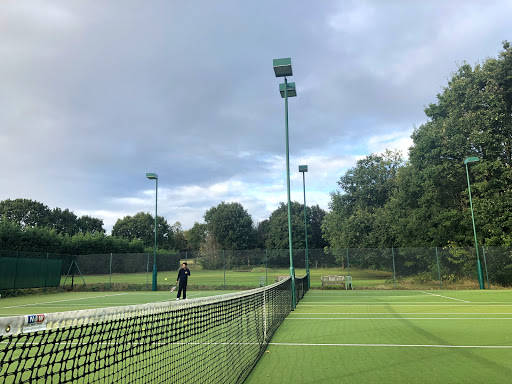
[74, 301]
[392, 337]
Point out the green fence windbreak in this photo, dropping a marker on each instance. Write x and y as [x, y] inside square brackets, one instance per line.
[29, 270]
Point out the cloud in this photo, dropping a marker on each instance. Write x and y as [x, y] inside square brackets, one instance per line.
[96, 94]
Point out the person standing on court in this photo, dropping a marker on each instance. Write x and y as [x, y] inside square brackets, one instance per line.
[183, 275]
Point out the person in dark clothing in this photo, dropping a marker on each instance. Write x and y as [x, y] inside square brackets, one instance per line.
[183, 275]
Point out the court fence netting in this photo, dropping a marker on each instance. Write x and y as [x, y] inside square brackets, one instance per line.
[214, 339]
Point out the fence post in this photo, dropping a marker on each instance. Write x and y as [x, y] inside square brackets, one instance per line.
[348, 264]
[15, 274]
[224, 263]
[266, 263]
[394, 273]
[110, 274]
[73, 273]
[186, 255]
[438, 269]
[147, 273]
[485, 264]
[46, 273]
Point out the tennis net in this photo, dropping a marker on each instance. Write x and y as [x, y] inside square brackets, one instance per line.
[210, 340]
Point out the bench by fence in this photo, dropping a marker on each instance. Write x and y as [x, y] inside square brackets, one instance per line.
[333, 280]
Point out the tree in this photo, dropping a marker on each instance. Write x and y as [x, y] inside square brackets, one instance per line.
[230, 225]
[64, 221]
[141, 227]
[196, 236]
[472, 117]
[25, 212]
[88, 224]
[354, 219]
[178, 240]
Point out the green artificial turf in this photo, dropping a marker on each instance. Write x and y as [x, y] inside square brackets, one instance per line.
[392, 337]
[74, 301]
[251, 278]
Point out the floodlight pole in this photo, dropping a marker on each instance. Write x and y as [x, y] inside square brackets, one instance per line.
[283, 68]
[155, 177]
[479, 266]
[292, 270]
[304, 169]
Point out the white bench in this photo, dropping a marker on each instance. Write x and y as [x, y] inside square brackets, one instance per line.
[333, 280]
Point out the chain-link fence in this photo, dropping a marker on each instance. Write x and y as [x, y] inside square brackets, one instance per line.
[116, 268]
[413, 268]
[379, 268]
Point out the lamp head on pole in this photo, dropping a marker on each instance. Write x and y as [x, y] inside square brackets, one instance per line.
[292, 92]
[283, 67]
[303, 168]
[152, 176]
[471, 160]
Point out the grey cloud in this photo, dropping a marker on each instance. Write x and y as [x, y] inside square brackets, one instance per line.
[95, 94]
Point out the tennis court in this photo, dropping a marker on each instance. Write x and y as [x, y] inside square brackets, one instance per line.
[208, 339]
[392, 337]
[74, 301]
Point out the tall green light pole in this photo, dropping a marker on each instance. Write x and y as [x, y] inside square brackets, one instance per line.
[479, 267]
[154, 176]
[304, 169]
[283, 68]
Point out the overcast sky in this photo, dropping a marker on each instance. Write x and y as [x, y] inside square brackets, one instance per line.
[94, 94]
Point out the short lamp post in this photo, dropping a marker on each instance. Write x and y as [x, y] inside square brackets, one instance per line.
[283, 68]
[304, 169]
[154, 176]
[479, 266]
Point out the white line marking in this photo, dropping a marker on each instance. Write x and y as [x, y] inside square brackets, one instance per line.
[402, 318]
[407, 305]
[446, 297]
[396, 313]
[374, 296]
[386, 302]
[395, 345]
[59, 301]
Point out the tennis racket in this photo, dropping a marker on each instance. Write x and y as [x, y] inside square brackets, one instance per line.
[173, 288]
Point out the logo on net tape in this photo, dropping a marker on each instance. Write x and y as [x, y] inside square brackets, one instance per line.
[35, 322]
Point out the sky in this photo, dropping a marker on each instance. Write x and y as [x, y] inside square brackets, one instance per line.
[95, 94]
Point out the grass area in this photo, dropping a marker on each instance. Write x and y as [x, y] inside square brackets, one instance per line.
[392, 337]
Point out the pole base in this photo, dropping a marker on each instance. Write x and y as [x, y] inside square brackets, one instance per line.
[154, 277]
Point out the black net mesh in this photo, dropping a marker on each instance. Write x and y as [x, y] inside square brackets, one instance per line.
[209, 340]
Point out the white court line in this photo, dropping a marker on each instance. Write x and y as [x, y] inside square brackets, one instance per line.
[402, 318]
[406, 305]
[395, 313]
[394, 345]
[446, 297]
[59, 301]
[385, 302]
[374, 296]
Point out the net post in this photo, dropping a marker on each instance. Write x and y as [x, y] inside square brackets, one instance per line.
[438, 269]
[394, 271]
[264, 316]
